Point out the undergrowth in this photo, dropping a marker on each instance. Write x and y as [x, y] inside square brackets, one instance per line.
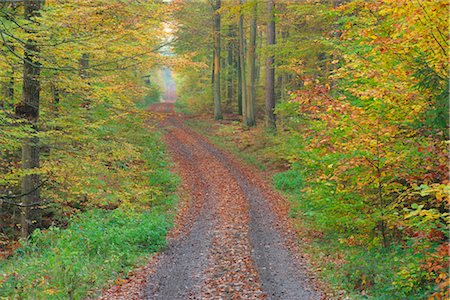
[348, 262]
[97, 247]
[112, 211]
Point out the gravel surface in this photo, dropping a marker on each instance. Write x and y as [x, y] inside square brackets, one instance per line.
[232, 239]
[281, 276]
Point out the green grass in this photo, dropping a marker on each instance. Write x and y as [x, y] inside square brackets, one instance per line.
[97, 247]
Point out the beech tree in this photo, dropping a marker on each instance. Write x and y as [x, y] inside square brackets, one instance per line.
[242, 62]
[270, 68]
[217, 69]
[28, 109]
[248, 64]
[74, 55]
[249, 108]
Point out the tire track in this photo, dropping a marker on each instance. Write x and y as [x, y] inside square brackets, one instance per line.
[247, 255]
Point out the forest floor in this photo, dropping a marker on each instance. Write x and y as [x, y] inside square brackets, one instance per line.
[232, 239]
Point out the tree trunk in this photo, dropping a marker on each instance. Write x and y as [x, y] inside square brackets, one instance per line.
[84, 65]
[230, 67]
[217, 108]
[250, 107]
[282, 79]
[243, 66]
[270, 69]
[29, 110]
[259, 57]
[239, 87]
[10, 89]
[55, 92]
[285, 77]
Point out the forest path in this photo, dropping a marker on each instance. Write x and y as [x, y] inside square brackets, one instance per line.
[232, 239]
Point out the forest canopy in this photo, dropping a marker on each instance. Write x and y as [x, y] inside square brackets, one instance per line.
[346, 101]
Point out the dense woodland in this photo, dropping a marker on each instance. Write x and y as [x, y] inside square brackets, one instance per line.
[361, 120]
[346, 101]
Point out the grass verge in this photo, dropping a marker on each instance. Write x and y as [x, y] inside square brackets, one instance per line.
[97, 247]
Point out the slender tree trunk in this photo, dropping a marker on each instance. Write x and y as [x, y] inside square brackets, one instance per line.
[7, 98]
[259, 58]
[8, 87]
[282, 80]
[239, 83]
[217, 107]
[243, 66]
[10, 90]
[285, 78]
[84, 65]
[212, 71]
[250, 107]
[29, 110]
[55, 92]
[270, 69]
[230, 67]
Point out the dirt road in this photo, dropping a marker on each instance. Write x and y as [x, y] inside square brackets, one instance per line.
[231, 240]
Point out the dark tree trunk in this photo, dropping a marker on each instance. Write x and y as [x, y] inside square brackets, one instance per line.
[55, 92]
[282, 79]
[270, 69]
[8, 92]
[230, 67]
[10, 89]
[243, 66]
[216, 84]
[251, 57]
[29, 110]
[239, 87]
[259, 57]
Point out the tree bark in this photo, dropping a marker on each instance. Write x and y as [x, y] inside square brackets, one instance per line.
[282, 79]
[230, 67]
[7, 91]
[29, 110]
[251, 57]
[55, 93]
[239, 83]
[84, 65]
[10, 89]
[216, 84]
[270, 69]
[243, 66]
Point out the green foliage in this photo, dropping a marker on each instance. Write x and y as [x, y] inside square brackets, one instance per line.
[112, 198]
[194, 92]
[289, 181]
[97, 247]
[153, 96]
[363, 128]
[371, 152]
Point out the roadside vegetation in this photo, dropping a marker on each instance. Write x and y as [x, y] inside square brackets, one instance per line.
[115, 208]
[343, 102]
[360, 142]
[86, 193]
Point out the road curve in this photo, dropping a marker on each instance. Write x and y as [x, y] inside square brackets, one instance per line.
[232, 244]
